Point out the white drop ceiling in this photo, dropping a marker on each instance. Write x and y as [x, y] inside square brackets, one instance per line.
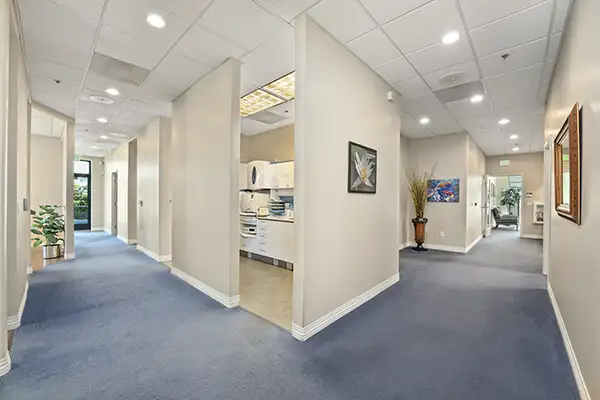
[400, 40]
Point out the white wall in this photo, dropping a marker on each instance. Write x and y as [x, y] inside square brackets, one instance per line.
[345, 243]
[118, 162]
[132, 203]
[531, 165]
[46, 171]
[206, 155]
[153, 176]
[475, 176]
[97, 191]
[447, 156]
[574, 267]
[406, 234]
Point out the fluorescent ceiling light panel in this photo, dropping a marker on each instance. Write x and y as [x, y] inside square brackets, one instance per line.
[257, 101]
[283, 87]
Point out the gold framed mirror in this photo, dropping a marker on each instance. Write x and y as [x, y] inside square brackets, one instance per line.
[567, 168]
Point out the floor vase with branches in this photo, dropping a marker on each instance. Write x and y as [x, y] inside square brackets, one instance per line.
[417, 184]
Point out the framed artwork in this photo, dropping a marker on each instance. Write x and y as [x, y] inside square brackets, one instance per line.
[362, 169]
[567, 168]
[538, 212]
[443, 190]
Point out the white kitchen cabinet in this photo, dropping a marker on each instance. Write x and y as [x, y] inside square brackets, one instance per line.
[280, 175]
[243, 176]
[276, 239]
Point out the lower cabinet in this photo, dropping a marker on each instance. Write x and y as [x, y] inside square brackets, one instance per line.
[274, 239]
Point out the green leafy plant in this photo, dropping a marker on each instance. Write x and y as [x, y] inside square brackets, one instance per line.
[418, 182]
[49, 224]
[510, 197]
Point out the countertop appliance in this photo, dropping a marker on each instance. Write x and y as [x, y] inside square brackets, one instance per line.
[251, 202]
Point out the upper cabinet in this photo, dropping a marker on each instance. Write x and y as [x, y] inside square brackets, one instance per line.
[280, 175]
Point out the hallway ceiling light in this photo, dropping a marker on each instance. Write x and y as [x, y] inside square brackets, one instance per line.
[257, 101]
[283, 87]
[112, 91]
[514, 136]
[95, 147]
[451, 37]
[116, 134]
[424, 121]
[103, 137]
[515, 149]
[504, 121]
[156, 21]
[102, 120]
[478, 98]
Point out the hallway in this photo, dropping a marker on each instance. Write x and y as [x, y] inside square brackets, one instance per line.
[114, 324]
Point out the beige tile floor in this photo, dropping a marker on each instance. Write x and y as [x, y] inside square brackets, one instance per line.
[266, 290]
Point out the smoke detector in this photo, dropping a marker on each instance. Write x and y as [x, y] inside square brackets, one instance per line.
[101, 99]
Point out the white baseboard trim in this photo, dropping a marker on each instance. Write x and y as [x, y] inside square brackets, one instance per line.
[441, 247]
[531, 236]
[581, 386]
[303, 333]
[98, 229]
[405, 245]
[69, 256]
[473, 243]
[227, 301]
[14, 321]
[29, 270]
[165, 258]
[147, 252]
[5, 364]
[125, 240]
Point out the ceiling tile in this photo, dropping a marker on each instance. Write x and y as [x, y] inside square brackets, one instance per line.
[52, 70]
[100, 84]
[344, 19]
[465, 72]
[374, 48]
[512, 31]
[561, 15]
[287, 109]
[509, 85]
[153, 109]
[415, 106]
[89, 8]
[519, 57]
[86, 103]
[473, 117]
[241, 22]
[554, 46]
[412, 88]
[208, 48]
[425, 26]
[173, 76]
[251, 127]
[385, 10]
[55, 33]
[412, 129]
[478, 12]
[287, 9]
[441, 121]
[272, 60]
[548, 71]
[129, 48]
[396, 70]
[440, 56]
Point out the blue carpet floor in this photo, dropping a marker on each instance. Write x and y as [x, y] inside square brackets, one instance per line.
[114, 324]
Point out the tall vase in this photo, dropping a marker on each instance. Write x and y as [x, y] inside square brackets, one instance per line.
[419, 224]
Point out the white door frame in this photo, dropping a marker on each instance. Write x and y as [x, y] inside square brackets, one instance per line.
[548, 201]
[114, 203]
[520, 201]
[487, 206]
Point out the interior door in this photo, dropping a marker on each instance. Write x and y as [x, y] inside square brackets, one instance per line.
[487, 209]
[114, 202]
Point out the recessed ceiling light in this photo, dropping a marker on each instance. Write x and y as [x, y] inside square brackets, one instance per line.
[477, 98]
[424, 121]
[116, 134]
[156, 21]
[101, 99]
[102, 120]
[103, 137]
[95, 147]
[514, 136]
[504, 121]
[515, 149]
[112, 91]
[450, 37]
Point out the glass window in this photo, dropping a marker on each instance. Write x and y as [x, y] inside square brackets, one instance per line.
[82, 167]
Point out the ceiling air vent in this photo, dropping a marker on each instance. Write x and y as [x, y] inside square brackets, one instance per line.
[460, 92]
[118, 70]
[266, 117]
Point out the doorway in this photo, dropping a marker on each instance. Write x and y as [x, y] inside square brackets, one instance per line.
[82, 195]
[114, 203]
[503, 203]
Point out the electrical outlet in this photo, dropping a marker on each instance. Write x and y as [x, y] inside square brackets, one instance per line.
[442, 233]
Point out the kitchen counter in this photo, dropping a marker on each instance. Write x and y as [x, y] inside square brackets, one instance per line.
[278, 219]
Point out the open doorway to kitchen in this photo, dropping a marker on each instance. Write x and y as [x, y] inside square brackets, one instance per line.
[267, 229]
[505, 203]
[82, 195]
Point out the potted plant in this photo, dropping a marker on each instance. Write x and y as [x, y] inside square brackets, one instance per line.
[417, 185]
[511, 198]
[48, 224]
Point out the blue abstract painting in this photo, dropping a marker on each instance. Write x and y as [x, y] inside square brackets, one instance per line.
[443, 190]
